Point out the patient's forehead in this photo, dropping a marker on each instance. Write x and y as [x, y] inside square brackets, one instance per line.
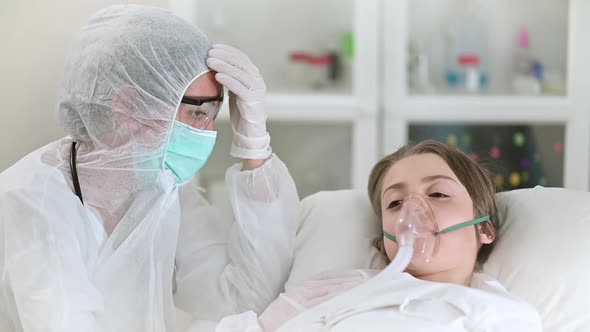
[414, 168]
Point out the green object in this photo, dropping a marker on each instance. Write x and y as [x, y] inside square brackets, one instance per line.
[466, 139]
[348, 45]
[519, 139]
[448, 229]
[188, 150]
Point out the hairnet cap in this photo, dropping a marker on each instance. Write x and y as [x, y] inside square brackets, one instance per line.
[125, 74]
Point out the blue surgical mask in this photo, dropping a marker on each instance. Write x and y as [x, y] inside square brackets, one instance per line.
[188, 150]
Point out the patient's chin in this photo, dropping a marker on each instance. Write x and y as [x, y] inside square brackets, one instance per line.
[419, 266]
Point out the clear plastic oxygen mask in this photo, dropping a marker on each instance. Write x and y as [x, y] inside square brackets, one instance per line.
[416, 232]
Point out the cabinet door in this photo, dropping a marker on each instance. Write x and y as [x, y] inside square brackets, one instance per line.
[319, 157]
[518, 156]
[319, 61]
[300, 46]
[497, 66]
[488, 47]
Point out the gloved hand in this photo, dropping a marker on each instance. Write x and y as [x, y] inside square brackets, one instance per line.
[310, 293]
[247, 93]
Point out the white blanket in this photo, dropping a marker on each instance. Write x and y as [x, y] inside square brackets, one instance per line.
[404, 303]
[409, 304]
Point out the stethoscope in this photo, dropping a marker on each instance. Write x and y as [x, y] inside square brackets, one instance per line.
[75, 172]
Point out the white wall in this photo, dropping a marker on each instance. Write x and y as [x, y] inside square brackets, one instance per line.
[35, 39]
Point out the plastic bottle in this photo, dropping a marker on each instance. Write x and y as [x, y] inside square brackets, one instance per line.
[528, 73]
[418, 70]
[522, 56]
[468, 36]
[470, 66]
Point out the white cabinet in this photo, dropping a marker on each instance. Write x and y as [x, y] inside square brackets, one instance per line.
[325, 129]
[530, 136]
[532, 129]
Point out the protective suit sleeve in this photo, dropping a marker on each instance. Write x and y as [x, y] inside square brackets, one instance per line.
[226, 267]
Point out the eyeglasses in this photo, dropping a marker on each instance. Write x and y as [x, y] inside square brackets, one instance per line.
[199, 112]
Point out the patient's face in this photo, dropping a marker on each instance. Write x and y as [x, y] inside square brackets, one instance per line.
[429, 175]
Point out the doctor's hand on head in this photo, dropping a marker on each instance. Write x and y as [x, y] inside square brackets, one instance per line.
[247, 91]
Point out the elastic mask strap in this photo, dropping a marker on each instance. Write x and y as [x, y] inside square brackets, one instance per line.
[389, 236]
[446, 230]
[464, 224]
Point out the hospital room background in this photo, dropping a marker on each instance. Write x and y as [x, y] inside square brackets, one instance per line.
[350, 80]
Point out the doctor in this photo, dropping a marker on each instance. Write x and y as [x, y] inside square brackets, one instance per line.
[99, 229]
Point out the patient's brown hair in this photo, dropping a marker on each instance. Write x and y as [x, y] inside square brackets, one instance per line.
[476, 179]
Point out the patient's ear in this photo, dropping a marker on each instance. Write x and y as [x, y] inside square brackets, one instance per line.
[486, 232]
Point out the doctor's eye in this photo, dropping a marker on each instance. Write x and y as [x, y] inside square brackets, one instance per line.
[196, 114]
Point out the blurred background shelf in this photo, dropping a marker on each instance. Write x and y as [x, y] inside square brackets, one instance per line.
[350, 81]
[505, 81]
[320, 62]
[308, 108]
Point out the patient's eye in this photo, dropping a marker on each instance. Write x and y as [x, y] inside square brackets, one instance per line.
[438, 195]
[394, 204]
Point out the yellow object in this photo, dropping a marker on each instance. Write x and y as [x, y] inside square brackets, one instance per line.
[515, 179]
[452, 140]
[499, 180]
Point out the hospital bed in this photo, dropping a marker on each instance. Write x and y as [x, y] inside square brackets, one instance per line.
[542, 254]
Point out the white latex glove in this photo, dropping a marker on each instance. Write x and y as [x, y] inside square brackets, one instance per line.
[310, 293]
[247, 93]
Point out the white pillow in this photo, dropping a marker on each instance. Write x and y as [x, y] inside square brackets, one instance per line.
[336, 232]
[541, 254]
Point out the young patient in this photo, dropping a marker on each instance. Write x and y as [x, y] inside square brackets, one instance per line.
[451, 189]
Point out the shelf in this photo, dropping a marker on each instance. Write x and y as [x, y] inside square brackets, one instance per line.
[518, 155]
[504, 37]
[466, 109]
[318, 146]
[304, 108]
[382, 98]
